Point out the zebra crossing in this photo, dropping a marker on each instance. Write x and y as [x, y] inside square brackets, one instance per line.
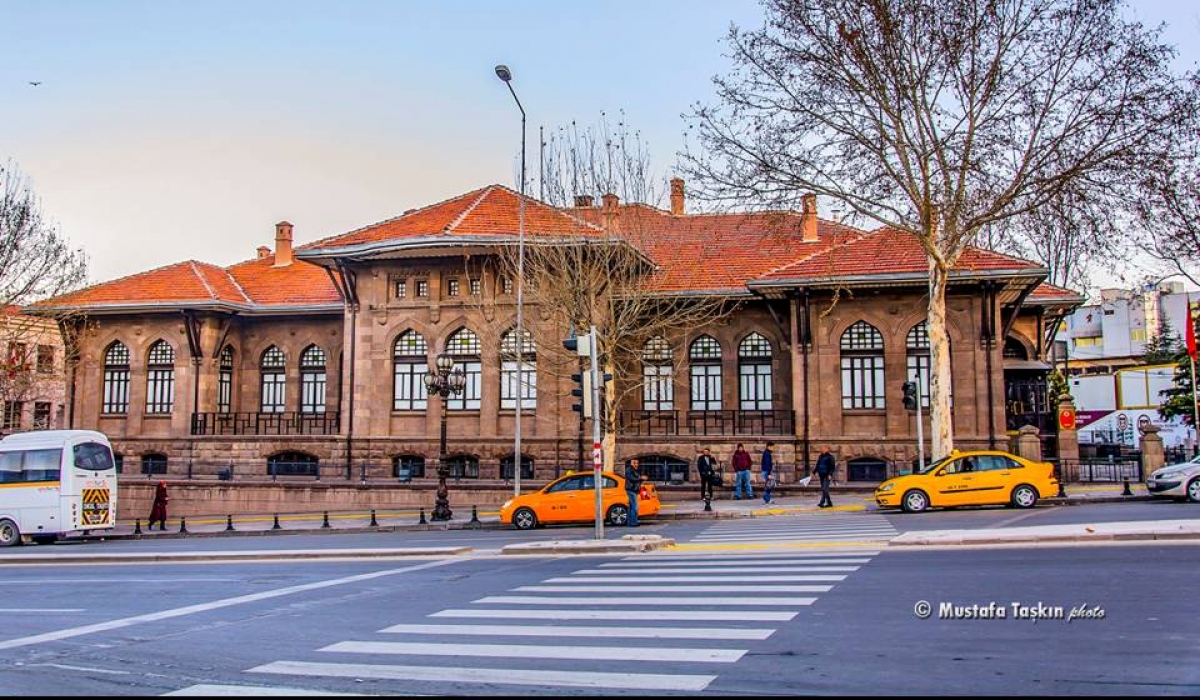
[681, 616]
[800, 529]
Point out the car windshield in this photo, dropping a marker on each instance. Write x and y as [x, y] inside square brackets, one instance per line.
[934, 465]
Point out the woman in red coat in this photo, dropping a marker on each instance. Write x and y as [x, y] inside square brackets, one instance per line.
[158, 512]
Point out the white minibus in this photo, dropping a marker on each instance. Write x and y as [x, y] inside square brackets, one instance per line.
[54, 482]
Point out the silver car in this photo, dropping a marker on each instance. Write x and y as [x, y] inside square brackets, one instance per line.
[1177, 481]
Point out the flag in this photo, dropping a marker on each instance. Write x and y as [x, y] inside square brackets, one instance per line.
[1191, 330]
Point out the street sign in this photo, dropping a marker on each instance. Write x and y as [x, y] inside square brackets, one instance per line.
[597, 457]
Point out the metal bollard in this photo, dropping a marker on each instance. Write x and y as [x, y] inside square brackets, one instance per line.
[474, 514]
[423, 522]
[1127, 492]
[374, 522]
[325, 523]
[1062, 478]
[276, 525]
[229, 523]
[183, 525]
[137, 526]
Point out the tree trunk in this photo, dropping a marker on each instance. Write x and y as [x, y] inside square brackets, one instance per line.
[941, 424]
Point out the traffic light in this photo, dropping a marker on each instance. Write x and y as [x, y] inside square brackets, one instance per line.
[583, 392]
[910, 395]
[580, 345]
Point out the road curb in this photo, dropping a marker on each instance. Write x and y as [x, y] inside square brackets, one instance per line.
[258, 555]
[625, 545]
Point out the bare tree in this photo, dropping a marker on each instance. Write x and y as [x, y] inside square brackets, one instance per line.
[35, 262]
[938, 118]
[1170, 216]
[609, 270]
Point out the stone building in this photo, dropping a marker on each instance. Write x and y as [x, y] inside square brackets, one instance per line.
[309, 360]
[32, 380]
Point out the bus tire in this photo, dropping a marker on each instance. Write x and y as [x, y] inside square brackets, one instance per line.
[10, 534]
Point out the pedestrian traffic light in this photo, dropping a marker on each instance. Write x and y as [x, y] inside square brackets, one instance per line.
[583, 392]
[910, 395]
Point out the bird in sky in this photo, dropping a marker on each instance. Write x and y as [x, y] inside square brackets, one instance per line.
[35, 83]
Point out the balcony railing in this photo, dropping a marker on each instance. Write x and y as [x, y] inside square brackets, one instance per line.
[714, 423]
[290, 423]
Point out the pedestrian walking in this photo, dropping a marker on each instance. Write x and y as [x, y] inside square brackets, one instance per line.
[825, 468]
[158, 511]
[741, 473]
[633, 487]
[706, 468]
[768, 472]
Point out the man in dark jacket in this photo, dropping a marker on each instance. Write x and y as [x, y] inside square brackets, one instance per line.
[741, 473]
[633, 488]
[768, 467]
[825, 468]
[706, 467]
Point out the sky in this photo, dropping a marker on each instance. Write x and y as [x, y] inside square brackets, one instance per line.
[166, 131]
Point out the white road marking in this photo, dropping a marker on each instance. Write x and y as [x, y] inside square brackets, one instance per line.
[585, 631]
[623, 588]
[747, 570]
[573, 678]
[701, 562]
[41, 610]
[234, 691]
[69, 633]
[87, 669]
[635, 577]
[527, 651]
[687, 556]
[638, 615]
[640, 600]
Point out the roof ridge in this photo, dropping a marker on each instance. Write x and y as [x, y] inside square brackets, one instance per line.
[831, 247]
[196, 271]
[449, 228]
[561, 211]
[410, 212]
[238, 285]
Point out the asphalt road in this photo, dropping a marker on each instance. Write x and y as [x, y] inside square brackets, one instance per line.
[790, 620]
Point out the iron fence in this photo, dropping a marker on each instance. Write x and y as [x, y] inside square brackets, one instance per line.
[700, 423]
[258, 423]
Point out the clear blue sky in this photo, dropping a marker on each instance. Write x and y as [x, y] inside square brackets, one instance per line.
[166, 131]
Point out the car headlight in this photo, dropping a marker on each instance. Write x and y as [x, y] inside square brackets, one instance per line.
[506, 504]
[887, 487]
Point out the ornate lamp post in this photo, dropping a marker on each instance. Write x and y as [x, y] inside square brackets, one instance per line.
[444, 382]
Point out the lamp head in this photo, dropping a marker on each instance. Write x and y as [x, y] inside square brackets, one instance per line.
[503, 73]
[458, 381]
[444, 363]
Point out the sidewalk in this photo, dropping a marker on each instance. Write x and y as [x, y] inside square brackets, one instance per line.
[848, 498]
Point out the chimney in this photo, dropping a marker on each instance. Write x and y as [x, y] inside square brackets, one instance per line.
[611, 201]
[808, 218]
[283, 244]
[583, 200]
[677, 197]
[263, 252]
[612, 212]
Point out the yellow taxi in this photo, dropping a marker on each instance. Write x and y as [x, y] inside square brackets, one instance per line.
[976, 478]
[572, 498]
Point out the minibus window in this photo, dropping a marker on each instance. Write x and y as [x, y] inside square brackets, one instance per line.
[93, 455]
[42, 465]
[10, 466]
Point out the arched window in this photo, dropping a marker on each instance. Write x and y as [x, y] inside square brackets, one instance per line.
[1014, 349]
[225, 381]
[917, 358]
[506, 467]
[116, 379]
[463, 467]
[658, 388]
[410, 361]
[274, 380]
[160, 378]
[312, 380]
[293, 464]
[663, 468]
[862, 367]
[754, 373]
[407, 467]
[463, 346]
[704, 356]
[154, 463]
[508, 371]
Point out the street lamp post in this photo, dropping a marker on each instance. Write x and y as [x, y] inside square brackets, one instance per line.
[505, 74]
[445, 382]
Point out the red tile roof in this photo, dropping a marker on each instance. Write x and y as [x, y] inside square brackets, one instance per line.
[489, 211]
[694, 253]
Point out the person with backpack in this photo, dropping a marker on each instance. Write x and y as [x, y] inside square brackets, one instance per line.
[825, 468]
[768, 473]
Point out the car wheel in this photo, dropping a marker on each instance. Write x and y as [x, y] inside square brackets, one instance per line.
[914, 501]
[1024, 496]
[618, 514]
[9, 533]
[525, 519]
[1193, 490]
